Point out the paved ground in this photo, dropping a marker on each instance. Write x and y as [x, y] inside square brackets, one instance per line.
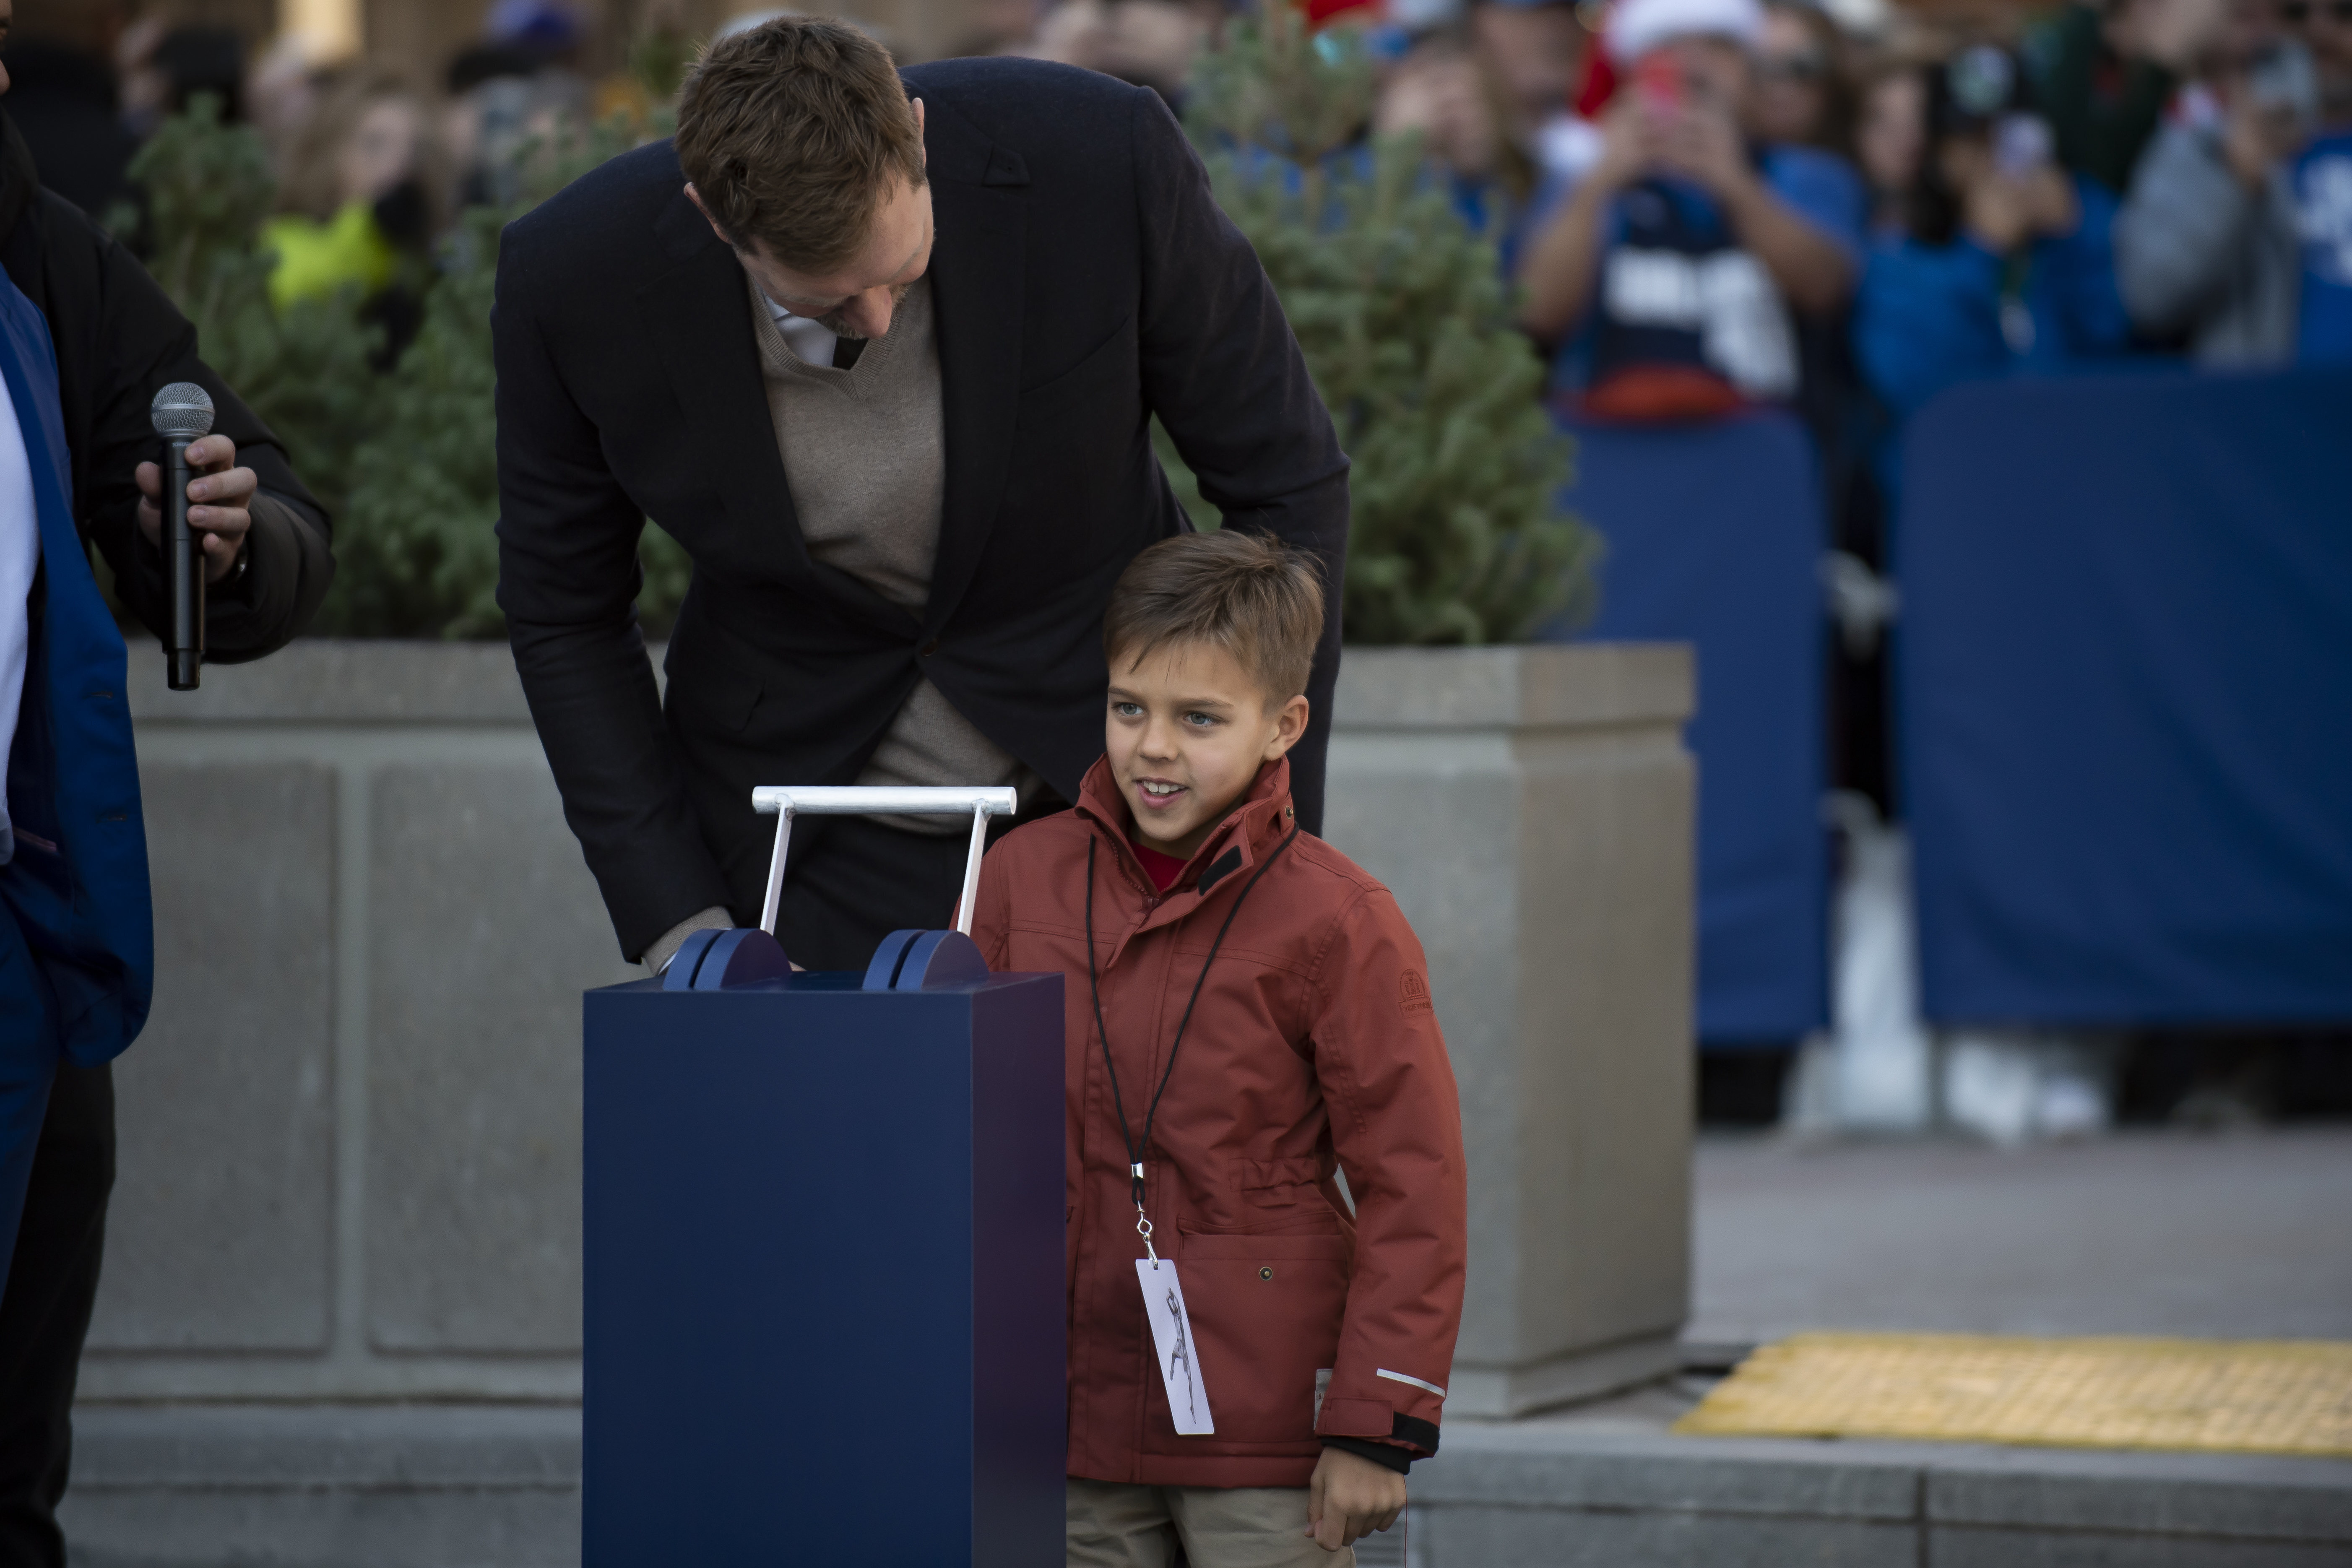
[2242, 1235]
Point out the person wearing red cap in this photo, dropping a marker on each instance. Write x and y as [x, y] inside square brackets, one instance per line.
[1675, 269]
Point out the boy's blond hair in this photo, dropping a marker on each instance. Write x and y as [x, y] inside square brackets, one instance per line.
[1259, 600]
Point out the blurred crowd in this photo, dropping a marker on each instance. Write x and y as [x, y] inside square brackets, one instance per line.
[371, 165]
[1844, 208]
[1839, 205]
[1849, 208]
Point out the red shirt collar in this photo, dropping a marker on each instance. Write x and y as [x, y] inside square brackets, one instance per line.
[1263, 807]
[1164, 870]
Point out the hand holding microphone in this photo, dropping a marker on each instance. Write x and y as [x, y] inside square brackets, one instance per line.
[209, 494]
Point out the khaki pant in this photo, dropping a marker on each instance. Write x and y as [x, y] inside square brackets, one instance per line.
[1117, 1526]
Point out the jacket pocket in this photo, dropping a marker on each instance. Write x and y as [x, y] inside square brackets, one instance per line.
[1259, 1175]
[713, 698]
[1116, 351]
[1266, 1313]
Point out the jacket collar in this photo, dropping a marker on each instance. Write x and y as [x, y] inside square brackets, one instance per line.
[19, 180]
[980, 203]
[1250, 832]
[700, 316]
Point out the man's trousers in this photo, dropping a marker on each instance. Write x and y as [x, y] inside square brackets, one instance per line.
[52, 1284]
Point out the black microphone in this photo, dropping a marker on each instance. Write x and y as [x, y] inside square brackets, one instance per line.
[182, 413]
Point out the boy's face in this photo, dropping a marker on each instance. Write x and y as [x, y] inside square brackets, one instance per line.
[1186, 729]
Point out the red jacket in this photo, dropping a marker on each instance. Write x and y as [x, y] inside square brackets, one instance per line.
[1312, 1048]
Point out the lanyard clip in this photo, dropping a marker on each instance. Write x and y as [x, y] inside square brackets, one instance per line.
[1143, 1219]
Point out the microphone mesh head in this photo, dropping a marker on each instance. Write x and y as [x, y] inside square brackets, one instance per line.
[182, 409]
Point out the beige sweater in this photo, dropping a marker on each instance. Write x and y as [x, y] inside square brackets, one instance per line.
[866, 456]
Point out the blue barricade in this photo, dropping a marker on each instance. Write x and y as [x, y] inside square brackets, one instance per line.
[2125, 699]
[1715, 538]
[824, 1262]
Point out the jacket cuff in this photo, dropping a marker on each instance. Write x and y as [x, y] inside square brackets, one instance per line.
[1386, 1455]
[1354, 1418]
[665, 946]
[287, 568]
[1372, 1421]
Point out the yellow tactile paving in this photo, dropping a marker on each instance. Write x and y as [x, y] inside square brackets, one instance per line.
[2285, 1397]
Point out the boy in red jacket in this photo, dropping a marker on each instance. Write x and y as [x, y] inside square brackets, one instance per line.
[1253, 1365]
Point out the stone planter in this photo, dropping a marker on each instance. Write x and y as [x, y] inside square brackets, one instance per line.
[350, 1161]
[1532, 809]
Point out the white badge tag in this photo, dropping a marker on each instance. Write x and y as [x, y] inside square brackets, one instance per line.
[1180, 1357]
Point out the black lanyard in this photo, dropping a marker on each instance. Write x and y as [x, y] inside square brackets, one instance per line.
[1094, 982]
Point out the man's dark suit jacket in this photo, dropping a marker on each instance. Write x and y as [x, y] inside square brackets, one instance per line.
[1083, 282]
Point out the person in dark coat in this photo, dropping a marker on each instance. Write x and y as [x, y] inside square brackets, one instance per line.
[882, 351]
[86, 340]
[64, 102]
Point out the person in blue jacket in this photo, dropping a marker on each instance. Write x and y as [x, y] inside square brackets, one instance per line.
[86, 340]
[2005, 262]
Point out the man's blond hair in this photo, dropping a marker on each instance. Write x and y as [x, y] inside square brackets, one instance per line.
[794, 134]
[1259, 600]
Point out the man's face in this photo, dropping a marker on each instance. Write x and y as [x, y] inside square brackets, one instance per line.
[855, 299]
[1893, 133]
[1186, 731]
[1713, 71]
[1791, 75]
[2249, 30]
[2326, 28]
[7, 19]
[1535, 51]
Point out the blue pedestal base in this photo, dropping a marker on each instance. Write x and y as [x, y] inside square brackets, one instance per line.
[824, 1281]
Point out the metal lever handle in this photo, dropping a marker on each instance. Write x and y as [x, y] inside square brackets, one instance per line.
[786, 801]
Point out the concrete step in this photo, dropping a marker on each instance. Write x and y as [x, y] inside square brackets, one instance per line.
[1575, 1492]
[497, 1487]
[416, 1485]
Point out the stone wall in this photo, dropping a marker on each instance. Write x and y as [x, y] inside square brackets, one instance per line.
[350, 1137]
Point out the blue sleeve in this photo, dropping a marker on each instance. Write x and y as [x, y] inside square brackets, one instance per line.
[1534, 215]
[2078, 304]
[1825, 192]
[1927, 318]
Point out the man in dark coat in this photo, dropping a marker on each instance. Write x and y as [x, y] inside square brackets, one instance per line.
[86, 340]
[882, 351]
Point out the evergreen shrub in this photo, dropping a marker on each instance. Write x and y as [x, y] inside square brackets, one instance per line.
[1455, 530]
[1457, 535]
[403, 458]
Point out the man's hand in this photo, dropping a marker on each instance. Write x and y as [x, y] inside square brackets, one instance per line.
[1625, 148]
[221, 521]
[2002, 212]
[2257, 138]
[1702, 145]
[1998, 213]
[1350, 1498]
[2173, 33]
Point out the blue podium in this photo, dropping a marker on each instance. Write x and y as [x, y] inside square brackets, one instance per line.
[825, 1301]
